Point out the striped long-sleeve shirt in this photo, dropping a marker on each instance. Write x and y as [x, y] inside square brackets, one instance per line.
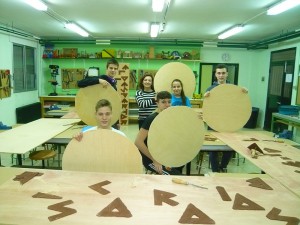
[146, 103]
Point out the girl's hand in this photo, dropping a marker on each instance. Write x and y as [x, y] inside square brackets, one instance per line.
[78, 136]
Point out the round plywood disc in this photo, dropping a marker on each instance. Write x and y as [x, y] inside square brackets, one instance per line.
[175, 136]
[100, 151]
[87, 98]
[175, 70]
[227, 109]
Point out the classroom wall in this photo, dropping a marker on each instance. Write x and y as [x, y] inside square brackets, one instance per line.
[8, 105]
[253, 65]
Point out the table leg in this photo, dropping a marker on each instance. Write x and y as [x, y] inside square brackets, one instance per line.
[19, 159]
[59, 152]
[188, 169]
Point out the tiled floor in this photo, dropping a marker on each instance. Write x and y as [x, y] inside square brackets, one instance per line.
[131, 132]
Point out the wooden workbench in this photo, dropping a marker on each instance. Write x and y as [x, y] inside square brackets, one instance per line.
[24, 138]
[271, 165]
[138, 194]
[292, 121]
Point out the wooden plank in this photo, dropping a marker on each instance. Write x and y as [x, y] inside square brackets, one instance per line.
[28, 136]
[272, 165]
[137, 194]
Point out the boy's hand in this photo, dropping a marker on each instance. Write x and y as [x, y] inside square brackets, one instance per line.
[103, 82]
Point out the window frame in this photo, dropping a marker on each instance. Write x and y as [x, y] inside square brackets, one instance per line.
[24, 69]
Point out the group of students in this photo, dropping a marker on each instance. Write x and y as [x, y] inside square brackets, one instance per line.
[150, 105]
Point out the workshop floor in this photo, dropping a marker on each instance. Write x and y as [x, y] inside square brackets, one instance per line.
[235, 166]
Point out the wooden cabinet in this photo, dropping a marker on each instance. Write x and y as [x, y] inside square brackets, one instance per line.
[62, 102]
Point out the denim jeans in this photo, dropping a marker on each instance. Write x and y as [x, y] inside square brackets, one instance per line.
[214, 160]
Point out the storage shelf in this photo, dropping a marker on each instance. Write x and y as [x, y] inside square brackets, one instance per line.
[46, 101]
[122, 59]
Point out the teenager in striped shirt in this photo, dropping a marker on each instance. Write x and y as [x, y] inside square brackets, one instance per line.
[145, 98]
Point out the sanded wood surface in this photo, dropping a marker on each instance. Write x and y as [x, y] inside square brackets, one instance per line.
[176, 136]
[227, 109]
[28, 136]
[175, 70]
[69, 133]
[87, 98]
[102, 151]
[71, 114]
[17, 206]
[272, 165]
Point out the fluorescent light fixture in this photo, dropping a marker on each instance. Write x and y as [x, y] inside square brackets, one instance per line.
[282, 6]
[158, 5]
[102, 42]
[75, 28]
[154, 28]
[230, 32]
[37, 4]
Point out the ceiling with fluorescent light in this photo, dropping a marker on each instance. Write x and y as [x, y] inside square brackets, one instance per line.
[188, 20]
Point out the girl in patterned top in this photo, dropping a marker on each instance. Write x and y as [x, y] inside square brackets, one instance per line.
[145, 98]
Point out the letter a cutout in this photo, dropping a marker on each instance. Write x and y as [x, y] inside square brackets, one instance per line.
[190, 212]
[243, 203]
[115, 209]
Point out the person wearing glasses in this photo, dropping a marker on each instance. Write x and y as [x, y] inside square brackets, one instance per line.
[221, 75]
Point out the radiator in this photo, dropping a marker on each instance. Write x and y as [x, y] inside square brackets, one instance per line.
[28, 113]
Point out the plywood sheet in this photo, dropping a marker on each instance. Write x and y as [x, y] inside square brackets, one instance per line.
[175, 70]
[87, 98]
[28, 136]
[102, 151]
[227, 109]
[137, 194]
[272, 165]
[176, 136]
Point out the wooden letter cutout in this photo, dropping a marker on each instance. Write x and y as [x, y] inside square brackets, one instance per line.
[243, 203]
[98, 187]
[163, 196]
[259, 183]
[60, 207]
[274, 215]
[223, 193]
[190, 212]
[115, 209]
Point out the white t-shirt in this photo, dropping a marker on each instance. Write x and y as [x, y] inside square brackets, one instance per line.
[88, 128]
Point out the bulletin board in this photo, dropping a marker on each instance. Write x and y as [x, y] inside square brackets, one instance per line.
[69, 77]
[5, 85]
[133, 82]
